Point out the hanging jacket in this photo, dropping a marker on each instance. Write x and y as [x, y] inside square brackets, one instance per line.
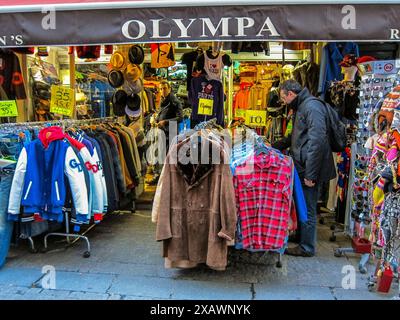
[39, 180]
[330, 70]
[197, 212]
[299, 200]
[96, 201]
[109, 173]
[98, 160]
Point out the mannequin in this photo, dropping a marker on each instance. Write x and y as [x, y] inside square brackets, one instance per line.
[349, 73]
[212, 62]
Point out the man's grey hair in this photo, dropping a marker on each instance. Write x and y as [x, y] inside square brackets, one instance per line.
[290, 85]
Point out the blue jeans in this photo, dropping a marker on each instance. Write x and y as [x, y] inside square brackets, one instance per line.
[10, 147]
[6, 227]
[308, 229]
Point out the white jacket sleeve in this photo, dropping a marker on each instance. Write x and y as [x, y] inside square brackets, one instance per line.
[96, 159]
[96, 187]
[18, 184]
[76, 178]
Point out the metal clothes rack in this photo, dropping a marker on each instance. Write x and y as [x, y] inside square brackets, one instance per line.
[65, 123]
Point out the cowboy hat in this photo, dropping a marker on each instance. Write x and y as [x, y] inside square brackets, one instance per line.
[133, 87]
[136, 54]
[119, 100]
[132, 108]
[115, 78]
[118, 61]
[133, 72]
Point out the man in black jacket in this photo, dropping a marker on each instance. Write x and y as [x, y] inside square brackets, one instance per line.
[312, 155]
[169, 115]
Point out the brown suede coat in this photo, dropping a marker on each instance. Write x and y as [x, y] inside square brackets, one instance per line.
[197, 213]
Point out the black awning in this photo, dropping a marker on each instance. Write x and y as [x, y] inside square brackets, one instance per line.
[296, 22]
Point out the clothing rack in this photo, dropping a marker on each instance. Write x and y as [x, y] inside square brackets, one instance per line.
[61, 122]
[67, 234]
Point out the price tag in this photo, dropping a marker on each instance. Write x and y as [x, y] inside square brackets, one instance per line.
[206, 107]
[240, 113]
[8, 108]
[62, 100]
[256, 118]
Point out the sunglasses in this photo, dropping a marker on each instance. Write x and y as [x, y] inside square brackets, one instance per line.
[359, 167]
[378, 80]
[372, 97]
[362, 157]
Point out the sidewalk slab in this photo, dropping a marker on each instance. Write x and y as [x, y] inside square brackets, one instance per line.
[19, 276]
[343, 294]
[279, 292]
[86, 282]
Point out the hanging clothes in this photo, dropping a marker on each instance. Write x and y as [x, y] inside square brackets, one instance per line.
[330, 69]
[207, 92]
[100, 98]
[162, 55]
[189, 59]
[264, 197]
[197, 216]
[38, 183]
[307, 74]
[213, 66]
[11, 79]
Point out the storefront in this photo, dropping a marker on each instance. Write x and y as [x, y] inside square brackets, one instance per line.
[94, 70]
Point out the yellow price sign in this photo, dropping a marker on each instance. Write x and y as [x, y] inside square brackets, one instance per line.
[8, 108]
[240, 113]
[206, 107]
[256, 118]
[62, 100]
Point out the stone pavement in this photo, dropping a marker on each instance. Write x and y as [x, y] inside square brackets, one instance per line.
[126, 264]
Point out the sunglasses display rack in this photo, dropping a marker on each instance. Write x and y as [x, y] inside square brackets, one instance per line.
[375, 85]
[373, 89]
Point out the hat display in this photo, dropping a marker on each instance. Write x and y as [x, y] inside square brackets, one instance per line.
[119, 100]
[133, 87]
[136, 54]
[132, 108]
[118, 61]
[115, 78]
[133, 72]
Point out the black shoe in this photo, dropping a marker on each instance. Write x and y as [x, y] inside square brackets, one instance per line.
[294, 238]
[297, 252]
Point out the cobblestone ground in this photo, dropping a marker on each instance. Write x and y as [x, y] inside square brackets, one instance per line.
[126, 263]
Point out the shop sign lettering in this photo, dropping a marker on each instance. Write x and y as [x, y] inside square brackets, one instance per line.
[62, 100]
[8, 108]
[256, 118]
[199, 28]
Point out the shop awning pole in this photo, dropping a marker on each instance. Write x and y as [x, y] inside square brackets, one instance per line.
[72, 80]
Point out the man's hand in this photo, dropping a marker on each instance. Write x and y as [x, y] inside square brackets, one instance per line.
[162, 123]
[309, 183]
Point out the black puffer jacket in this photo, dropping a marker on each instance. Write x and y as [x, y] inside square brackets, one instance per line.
[309, 143]
[170, 109]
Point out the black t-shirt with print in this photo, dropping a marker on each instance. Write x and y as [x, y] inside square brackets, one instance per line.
[11, 78]
[189, 58]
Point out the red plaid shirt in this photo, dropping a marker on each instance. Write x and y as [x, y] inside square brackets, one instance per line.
[263, 189]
